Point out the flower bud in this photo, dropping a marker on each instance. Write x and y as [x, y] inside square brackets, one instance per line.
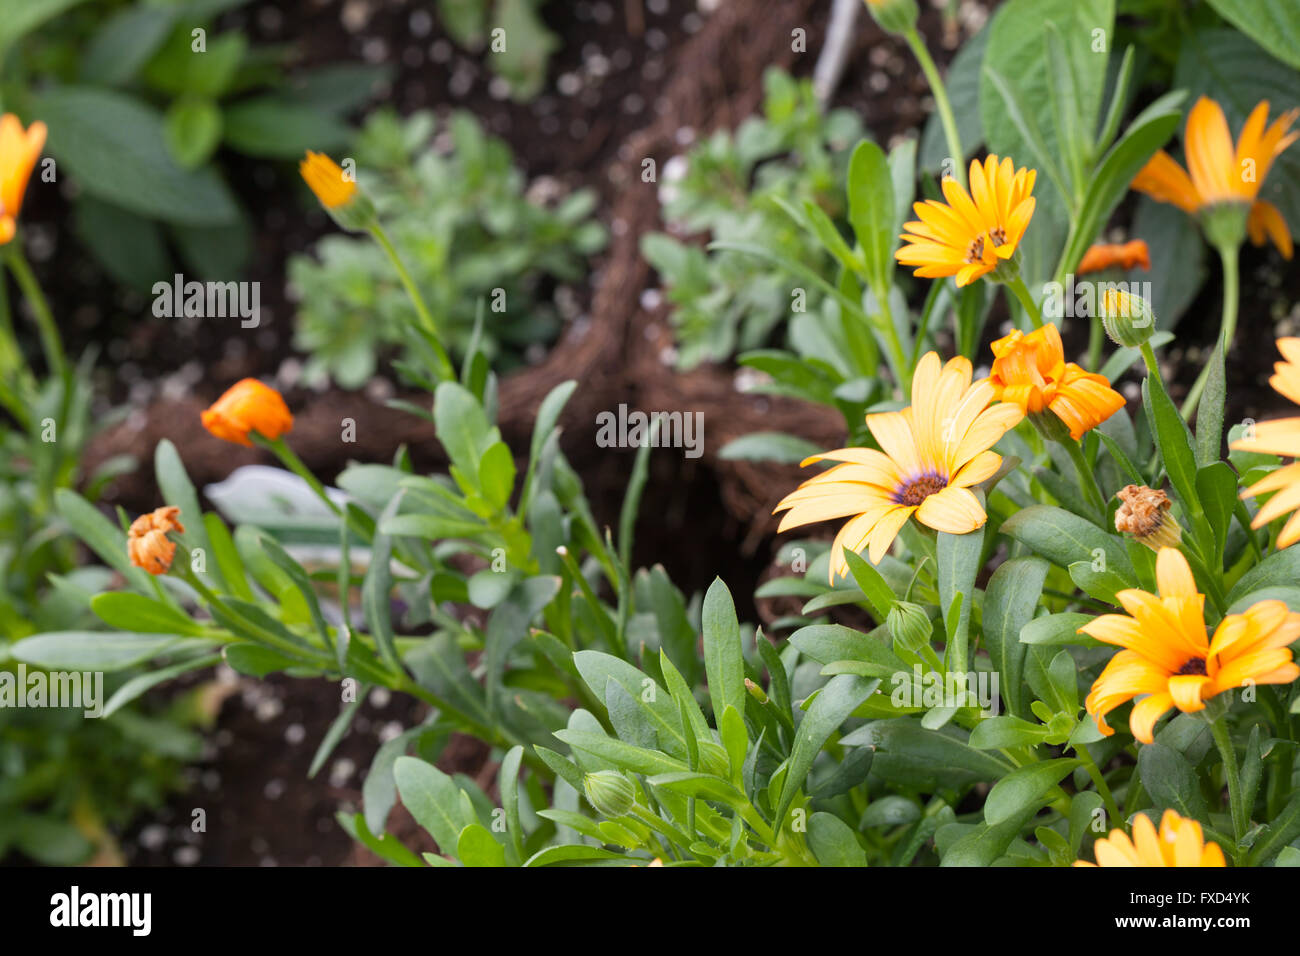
[895, 16]
[1144, 513]
[609, 792]
[755, 691]
[147, 544]
[1127, 318]
[1049, 425]
[909, 626]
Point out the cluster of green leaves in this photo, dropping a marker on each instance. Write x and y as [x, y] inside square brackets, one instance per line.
[139, 97]
[469, 233]
[520, 44]
[65, 779]
[733, 190]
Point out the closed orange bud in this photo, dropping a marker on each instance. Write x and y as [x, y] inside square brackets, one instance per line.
[147, 544]
[1127, 255]
[248, 406]
[19, 150]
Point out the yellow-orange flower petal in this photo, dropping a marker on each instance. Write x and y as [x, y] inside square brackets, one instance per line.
[1126, 255]
[932, 453]
[1030, 371]
[19, 150]
[248, 406]
[147, 544]
[1180, 842]
[327, 180]
[1219, 172]
[1167, 656]
[1280, 437]
[968, 236]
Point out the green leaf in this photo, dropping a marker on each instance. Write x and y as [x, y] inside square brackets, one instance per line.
[1273, 24]
[723, 661]
[1103, 585]
[1053, 629]
[21, 18]
[833, 841]
[90, 650]
[1279, 569]
[841, 696]
[998, 733]
[871, 210]
[1216, 487]
[620, 755]
[143, 682]
[127, 611]
[1110, 182]
[192, 128]
[1171, 781]
[433, 799]
[463, 427]
[1025, 789]
[878, 593]
[768, 446]
[477, 847]
[958, 557]
[256, 660]
[124, 42]
[496, 475]
[276, 127]
[100, 535]
[1209, 413]
[1009, 604]
[1281, 831]
[115, 147]
[1064, 538]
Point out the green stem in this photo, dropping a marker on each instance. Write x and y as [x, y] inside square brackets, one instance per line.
[1223, 740]
[1087, 480]
[1153, 367]
[45, 323]
[1227, 324]
[446, 372]
[1021, 292]
[295, 464]
[941, 101]
[898, 358]
[1096, 339]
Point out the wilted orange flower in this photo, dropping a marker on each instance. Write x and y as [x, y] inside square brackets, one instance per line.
[147, 544]
[1144, 513]
[248, 406]
[327, 181]
[934, 451]
[1126, 255]
[19, 151]
[974, 231]
[1180, 842]
[1030, 370]
[1281, 437]
[1166, 655]
[1220, 173]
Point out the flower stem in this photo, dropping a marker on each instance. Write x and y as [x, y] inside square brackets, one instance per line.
[1222, 739]
[1153, 367]
[941, 102]
[295, 464]
[1103, 789]
[445, 370]
[45, 324]
[1021, 292]
[1227, 324]
[1087, 480]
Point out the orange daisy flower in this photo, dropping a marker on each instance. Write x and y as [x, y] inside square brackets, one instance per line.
[1222, 173]
[933, 452]
[970, 235]
[1180, 842]
[1281, 437]
[248, 406]
[19, 151]
[1166, 655]
[1029, 370]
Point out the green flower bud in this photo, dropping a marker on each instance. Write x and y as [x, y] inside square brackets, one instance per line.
[895, 16]
[755, 691]
[1127, 318]
[909, 626]
[609, 792]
